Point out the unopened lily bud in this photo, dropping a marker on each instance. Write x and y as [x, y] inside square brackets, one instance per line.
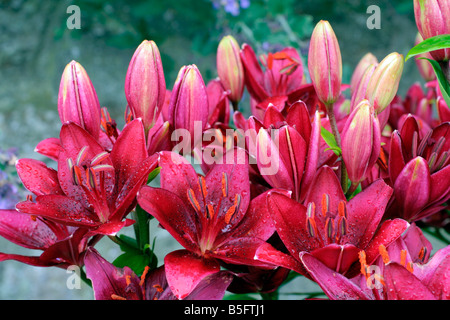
[383, 84]
[361, 142]
[325, 63]
[77, 99]
[229, 68]
[188, 108]
[367, 60]
[145, 86]
[433, 19]
[425, 68]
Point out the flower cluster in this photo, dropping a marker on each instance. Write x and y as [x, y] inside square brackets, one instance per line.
[326, 180]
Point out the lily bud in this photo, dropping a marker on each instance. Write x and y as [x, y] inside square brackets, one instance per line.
[383, 84]
[229, 68]
[433, 19]
[425, 68]
[145, 86]
[188, 108]
[361, 141]
[77, 99]
[325, 63]
[360, 69]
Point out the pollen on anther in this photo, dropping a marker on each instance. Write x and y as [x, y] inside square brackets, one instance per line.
[224, 185]
[325, 204]
[193, 200]
[384, 254]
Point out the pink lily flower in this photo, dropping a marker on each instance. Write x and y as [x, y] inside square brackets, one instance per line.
[62, 245]
[112, 283]
[92, 188]
[329, 227]
[211, 216]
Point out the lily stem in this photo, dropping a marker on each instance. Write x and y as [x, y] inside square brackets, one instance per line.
[337, 136]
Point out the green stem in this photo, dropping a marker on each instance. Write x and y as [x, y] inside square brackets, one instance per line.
[337, 136]
[142, 227]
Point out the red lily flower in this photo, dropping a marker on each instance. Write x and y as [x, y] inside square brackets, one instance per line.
[402, 272]
[112, 283]
[282, 77]
[293, 145]
[419, 167]
[212, 217]
[92, 188]
[328, 227]
[62, 246]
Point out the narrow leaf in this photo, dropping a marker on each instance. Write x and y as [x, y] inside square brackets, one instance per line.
[442, 80]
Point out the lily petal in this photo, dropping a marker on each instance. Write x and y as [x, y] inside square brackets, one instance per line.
[184, 271]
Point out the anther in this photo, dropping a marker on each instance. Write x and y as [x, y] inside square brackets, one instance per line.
[415, 138]
[422, 254]
[233, 209]
[144, 274]
[310, 221]
[158, 288]
[224, 184]
[209, 211]
[384, 254]
[329, 228]
[116, 297]
[81, 155]
[99, 158]
[92, 181]
[202, 185]
[325, 204]
[193, 200]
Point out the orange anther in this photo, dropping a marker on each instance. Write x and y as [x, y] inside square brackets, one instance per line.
[210, 211]
[325, 204]
[193, 200]
[362, 261]
[422, 254]
[158, 288]
[116, 297]
[384, 254]
[143, 275]
[403, 258]
[202, 185]
[224, 185]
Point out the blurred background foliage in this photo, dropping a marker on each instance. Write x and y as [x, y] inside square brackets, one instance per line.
[35, 46]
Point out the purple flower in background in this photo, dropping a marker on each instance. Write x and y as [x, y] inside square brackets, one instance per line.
[10, 190]
[231, 6]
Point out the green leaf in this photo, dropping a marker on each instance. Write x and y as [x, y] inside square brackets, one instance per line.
[331, 141]
[153, 174]
[442, 80]
[430, 44]
[137, 262]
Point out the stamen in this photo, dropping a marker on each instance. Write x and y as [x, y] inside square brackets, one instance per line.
[144, 274]
[403, 258]
[233, 209]
[99, 158]
[158, 288]
[362, 261]
[102, 167]
[440, 163]
[422, 254]
[81, 155]
[116, 297]
[343, 226]
[410, 267]
[202, 184]
[342, 209]
[209, 211]
[33, 217]
[329, 228]
[438, 146]
[432, 160]
[310, 222]
[224, 184]
[384, 254]
[193, 200]
[424, 143]
[415, 138]
[76, 175]
[29, 197]
[128, 280]
[92, 181]
[325, 204]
